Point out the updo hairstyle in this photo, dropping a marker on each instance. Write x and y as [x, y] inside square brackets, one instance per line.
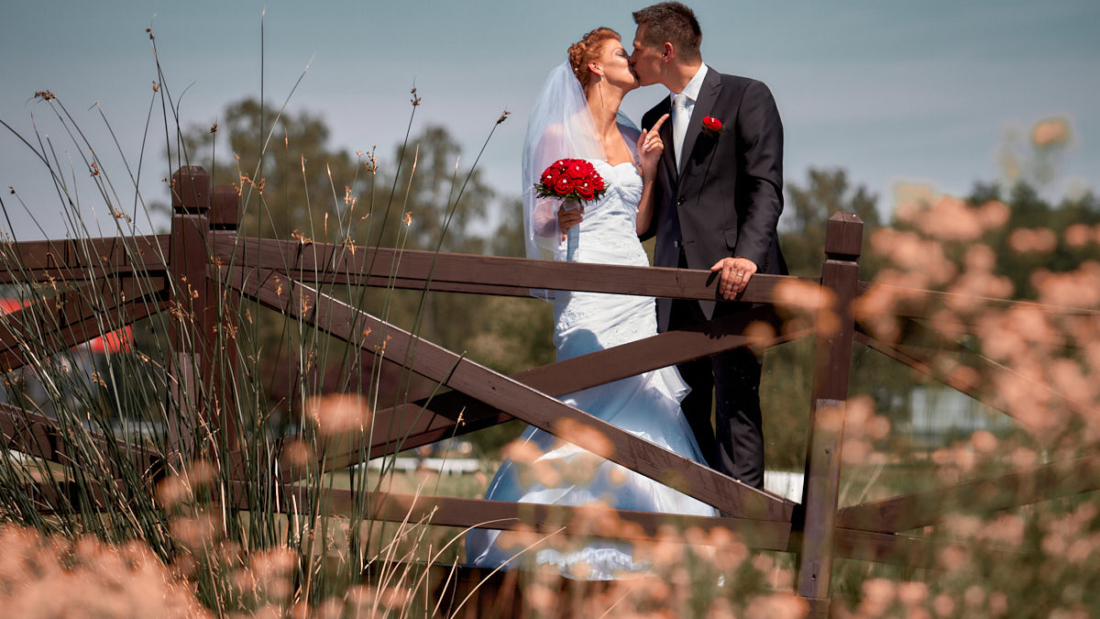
[588, 49]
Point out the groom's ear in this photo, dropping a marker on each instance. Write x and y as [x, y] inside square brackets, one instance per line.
[668, 52]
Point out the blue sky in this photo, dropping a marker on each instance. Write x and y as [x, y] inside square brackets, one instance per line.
[895, 92]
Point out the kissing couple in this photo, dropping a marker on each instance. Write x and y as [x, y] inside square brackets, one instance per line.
[704, 175]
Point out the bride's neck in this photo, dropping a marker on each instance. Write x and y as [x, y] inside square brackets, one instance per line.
[603, 103]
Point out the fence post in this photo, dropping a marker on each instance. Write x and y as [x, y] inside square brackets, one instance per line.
[222, 312]
[832, 364]
[188, 360]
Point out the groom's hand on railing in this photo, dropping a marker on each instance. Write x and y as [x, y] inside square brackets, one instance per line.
[735, 275]
[567, 218]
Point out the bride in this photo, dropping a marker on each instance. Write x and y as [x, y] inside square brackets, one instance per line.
[577, 116]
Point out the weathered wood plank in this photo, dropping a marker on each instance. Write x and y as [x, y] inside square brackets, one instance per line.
[320, 262]
[832, 365]
[28, 432]
[912, 511]
[909, 550]
[82, 259]
[190, 330]
[42, 437]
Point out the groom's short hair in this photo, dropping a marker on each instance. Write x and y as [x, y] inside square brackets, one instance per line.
[671, 22]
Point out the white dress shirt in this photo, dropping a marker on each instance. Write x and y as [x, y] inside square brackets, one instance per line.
[684, 102]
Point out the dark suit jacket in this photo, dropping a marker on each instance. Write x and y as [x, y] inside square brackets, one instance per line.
[726, 198]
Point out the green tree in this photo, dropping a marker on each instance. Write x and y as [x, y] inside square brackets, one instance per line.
[802, 235]
[299, 180]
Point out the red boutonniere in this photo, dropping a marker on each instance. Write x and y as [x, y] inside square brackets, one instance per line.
[712, 126]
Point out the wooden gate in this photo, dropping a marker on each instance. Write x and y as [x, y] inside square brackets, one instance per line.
[204, 261]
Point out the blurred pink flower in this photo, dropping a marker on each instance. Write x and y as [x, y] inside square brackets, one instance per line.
[196, 533]
[962, 525]
[854, 451]
[948, 324]
[972, 290]
[803, 295]
[1077, 288]
[42, 578]
[983, 441]
[338, 414]
[993, 214]
[522, 452]
[1080, 550]
[980, 257]
[943, 605]
[541, 598]
[878, 594]
[781, 605]
[912, 593]
[1038, 240]
[910, 252]
[951, 219]
[1078, 235]
[964, 378]
[1069, 379]
[585, 436]
[1023, 458]
[1050, 132]
[998, 603]
[974, 595]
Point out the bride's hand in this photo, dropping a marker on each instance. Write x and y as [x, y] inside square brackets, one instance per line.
[650, 148]
[567, 218]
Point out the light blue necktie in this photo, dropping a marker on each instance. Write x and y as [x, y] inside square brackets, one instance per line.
[680, 118]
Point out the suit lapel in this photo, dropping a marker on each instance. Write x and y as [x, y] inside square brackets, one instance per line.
[708, 95]
[668, 157]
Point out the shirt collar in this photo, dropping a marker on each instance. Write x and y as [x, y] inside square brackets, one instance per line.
[695, 85]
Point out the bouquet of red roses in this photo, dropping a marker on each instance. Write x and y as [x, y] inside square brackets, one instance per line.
[571, 179]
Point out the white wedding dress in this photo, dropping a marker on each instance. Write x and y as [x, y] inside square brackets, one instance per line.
[647, 405]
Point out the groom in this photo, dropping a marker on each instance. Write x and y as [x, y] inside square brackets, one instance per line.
[719, 196]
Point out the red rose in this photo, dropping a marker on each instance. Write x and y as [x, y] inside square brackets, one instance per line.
[576, 169]
[712, 125]
[550, 176]
[586, 190]
[597, 182]
[563, 185]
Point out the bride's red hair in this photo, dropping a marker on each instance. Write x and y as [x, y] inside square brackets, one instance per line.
[588, 49]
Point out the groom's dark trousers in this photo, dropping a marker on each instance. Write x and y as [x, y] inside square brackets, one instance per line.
[723, 200]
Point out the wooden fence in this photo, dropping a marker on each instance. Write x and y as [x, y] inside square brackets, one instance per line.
[204, 258]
